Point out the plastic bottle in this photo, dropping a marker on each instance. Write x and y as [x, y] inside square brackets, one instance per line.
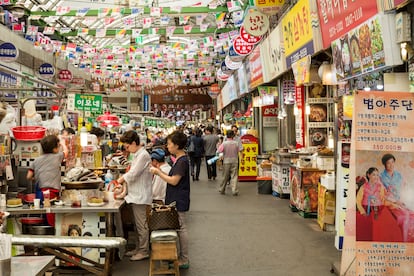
[306, 202]
[212, 160]
[108, 178]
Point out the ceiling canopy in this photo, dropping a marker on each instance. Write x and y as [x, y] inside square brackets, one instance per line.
[143, 42]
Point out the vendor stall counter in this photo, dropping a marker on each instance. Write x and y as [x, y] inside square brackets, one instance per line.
[304, 189]
[93, 221]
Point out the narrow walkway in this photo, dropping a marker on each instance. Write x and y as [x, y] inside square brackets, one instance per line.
[247, 235]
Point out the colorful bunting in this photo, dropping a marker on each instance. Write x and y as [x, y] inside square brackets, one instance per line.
[62, 10]
[101, 32]
[82, 12]
[187, 29]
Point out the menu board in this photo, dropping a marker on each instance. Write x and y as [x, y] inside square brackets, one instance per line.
[360, 51]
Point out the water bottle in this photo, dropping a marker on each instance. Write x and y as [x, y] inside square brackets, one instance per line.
[213, 160]
[108, 178]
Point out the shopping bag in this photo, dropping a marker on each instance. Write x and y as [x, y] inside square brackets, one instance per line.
[163, 217]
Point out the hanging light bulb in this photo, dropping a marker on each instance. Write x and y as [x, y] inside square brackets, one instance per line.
[307, 109]
[284, 114]
[330, 140]
[295, 110]
[279, 115]
[83, 135]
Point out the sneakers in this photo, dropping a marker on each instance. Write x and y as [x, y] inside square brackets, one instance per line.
[184, 265]
[221, 192]
[131, 253]
[139, 257]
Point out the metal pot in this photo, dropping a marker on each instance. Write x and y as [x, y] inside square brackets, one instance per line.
[38, 229]
[83, 185]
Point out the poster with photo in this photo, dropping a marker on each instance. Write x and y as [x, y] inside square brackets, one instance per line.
[380, 229]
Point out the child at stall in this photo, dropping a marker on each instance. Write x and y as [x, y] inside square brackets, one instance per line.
[46, 170]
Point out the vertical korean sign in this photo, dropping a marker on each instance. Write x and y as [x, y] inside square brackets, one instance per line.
[297, 32]
[382, 162]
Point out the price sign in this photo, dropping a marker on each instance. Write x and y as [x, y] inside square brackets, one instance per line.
[241, 47]
[8, 52]
[87, 102]
[251, 39]
[46, 70]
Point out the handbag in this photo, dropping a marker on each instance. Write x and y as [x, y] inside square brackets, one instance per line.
[163, 217]
[191, 147]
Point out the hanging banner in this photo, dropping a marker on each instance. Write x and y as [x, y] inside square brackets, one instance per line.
[233, 55]
[271, 51]
[8, 52]
[255, 64]
[46, 70]
[88, 102]
[269, 7]
[256, 23]
[379, 232]
[269, 114]
[232, 65]
[241, 47]
[301, 32]
[301, 70]
[337, 20]
[248, 38]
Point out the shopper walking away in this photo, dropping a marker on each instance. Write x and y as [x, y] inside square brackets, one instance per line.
[197, 153]
[210, 149]
[159, 186]
[230, 149]
[138, 180]
[178, 189]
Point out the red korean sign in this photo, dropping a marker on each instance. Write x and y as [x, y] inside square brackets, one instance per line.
[65, 75]
[339, 17]
[241, 47]
[256, 23]
[248, 38]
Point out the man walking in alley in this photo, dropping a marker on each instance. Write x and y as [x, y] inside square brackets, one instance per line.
[210, 148]
[230, 149]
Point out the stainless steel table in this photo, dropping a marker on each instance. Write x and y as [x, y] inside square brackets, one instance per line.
[31, 265]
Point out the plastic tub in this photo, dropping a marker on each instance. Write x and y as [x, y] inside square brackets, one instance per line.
[28, 133]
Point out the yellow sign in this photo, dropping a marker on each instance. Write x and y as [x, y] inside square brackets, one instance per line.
[301, 70]
[297, 27]
[248, 160]
[269, 7]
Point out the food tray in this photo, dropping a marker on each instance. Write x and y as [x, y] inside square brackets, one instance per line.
[83, 184]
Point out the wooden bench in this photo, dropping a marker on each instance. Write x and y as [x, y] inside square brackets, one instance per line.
[55, 245]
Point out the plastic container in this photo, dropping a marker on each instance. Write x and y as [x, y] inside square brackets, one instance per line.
[28, 133]
[5, 267]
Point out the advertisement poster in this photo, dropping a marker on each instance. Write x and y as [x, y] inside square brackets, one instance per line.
[379, 231]
[339, 17]
[248, 158]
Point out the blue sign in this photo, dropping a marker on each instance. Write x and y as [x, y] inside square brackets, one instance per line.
[146, 102]
[8, 52]
[233, 55]
[46, 70]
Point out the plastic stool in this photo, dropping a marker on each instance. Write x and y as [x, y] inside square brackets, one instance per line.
[163, 251]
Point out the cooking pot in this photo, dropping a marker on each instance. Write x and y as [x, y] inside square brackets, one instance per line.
[83, 185]
[32, 220]
[38, 230]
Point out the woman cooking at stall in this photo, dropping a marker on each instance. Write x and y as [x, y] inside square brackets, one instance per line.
[45, 170]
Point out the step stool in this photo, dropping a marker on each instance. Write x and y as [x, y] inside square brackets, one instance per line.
[163, 251]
